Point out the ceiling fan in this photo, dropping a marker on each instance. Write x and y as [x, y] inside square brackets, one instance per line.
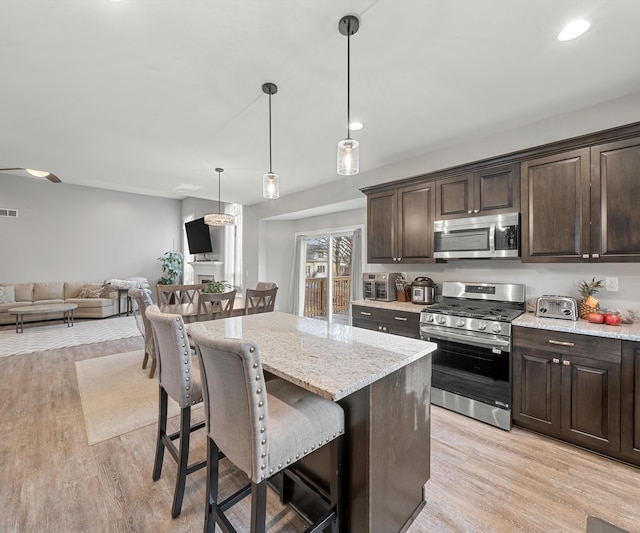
[37, 173]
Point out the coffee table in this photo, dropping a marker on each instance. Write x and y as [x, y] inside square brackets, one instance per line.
[38, 309]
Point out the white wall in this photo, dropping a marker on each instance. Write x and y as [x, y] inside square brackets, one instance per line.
[72, 233]
[551, 279]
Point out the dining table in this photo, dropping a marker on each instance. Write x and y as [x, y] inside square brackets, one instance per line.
[383, 383]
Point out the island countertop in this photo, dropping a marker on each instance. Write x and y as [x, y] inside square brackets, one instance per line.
[331, 360]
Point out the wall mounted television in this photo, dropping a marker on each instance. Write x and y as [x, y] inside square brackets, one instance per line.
[198, 236]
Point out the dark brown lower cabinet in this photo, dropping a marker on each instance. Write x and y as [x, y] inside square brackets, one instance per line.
[567, 386]
[630, 416]
[404, 323]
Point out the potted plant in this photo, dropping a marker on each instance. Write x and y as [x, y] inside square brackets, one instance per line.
[216, 287]
[589, 304]
[172, 267]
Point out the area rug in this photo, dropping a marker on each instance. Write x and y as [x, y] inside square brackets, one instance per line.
[40, 338]
[117, 395]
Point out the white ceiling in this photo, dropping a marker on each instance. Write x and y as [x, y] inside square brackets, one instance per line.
[149, 96]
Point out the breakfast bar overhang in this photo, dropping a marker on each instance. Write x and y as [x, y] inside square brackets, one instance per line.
[383, 383]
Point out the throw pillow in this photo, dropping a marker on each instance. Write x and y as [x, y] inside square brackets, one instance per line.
[89, 292]
[7, 294]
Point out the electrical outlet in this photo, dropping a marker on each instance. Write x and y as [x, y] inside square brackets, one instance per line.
[611, 284]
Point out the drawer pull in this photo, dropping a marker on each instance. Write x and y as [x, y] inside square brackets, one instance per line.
[561, 343]
[404, 319]
[565, 362]
[365, 313]
[556, 360]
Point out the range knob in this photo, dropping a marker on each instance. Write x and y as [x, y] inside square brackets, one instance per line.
[429, 318]
[496, 328]
[460, 322]
[441, 319]
[543, 310]
[482, 326]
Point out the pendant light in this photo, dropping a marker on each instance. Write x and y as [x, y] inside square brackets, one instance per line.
[219, 218]
[270, 181]
[348, 149]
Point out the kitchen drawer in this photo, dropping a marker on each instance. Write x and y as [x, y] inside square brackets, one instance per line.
[573, 344]
[396, 322]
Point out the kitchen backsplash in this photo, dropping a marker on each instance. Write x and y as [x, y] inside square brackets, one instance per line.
[558, 279]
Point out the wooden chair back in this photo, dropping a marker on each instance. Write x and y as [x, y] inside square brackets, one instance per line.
[262, 285]
[212, 306]
[259, 301]
[180, 299]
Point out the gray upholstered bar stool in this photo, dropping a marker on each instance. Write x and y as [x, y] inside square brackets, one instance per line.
[180, 380]
[142, 300]
[262, 429]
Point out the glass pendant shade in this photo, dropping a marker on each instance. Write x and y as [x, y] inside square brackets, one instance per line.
[271, 186]
[348, 157]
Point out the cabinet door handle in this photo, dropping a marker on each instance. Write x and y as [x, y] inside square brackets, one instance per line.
[595, 256]
[476, 210]
[585, 256]
[556, 360]
[404, 319]
[470, 211]
[565, 362]
[561, 343]
[365, 313]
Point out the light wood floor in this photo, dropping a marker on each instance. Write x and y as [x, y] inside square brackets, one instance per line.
[482, 479]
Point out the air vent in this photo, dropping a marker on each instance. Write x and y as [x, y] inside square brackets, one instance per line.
[13, 213]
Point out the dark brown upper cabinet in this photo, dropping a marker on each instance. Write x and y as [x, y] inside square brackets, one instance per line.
[555, 208]
[615, 201]
[485, 192]
[400, 225]
[581, 205]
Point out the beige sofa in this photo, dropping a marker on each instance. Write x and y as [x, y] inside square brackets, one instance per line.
[95, 300]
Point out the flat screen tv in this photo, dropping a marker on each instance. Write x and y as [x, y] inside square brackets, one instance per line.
[198, 236]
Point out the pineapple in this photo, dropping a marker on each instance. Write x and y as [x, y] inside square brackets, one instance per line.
[589, 305]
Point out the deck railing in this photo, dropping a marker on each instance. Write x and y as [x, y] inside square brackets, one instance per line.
[315, 295]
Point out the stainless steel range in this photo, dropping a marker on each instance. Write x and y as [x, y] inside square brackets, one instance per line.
[472, 365]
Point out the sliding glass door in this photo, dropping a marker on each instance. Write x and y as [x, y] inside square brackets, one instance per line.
[328, 271]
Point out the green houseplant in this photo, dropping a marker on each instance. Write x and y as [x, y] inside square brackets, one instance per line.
[216, 287]
[172, 267]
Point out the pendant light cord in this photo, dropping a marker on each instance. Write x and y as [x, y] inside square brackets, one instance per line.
[348, 78]
[219, 211]
[270, 165]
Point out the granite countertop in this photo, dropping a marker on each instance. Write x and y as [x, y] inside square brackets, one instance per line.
[629, 332]
[397, 306]
[331, 360]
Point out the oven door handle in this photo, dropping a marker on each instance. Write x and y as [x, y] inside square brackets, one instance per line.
[495, 342]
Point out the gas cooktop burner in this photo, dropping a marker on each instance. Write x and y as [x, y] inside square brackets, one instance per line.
[493, 313]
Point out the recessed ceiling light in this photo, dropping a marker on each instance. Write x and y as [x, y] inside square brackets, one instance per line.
[355, 126]
[574, 29]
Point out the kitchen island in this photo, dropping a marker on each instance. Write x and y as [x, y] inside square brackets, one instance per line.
[382, 382]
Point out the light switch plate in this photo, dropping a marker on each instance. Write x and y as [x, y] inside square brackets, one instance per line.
[611, 284]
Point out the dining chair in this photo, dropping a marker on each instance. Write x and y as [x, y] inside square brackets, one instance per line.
[262, 285]
[218, 305]
[259, 301]
[180, 379]
[141, 299]
[180, 299]
[263, 429]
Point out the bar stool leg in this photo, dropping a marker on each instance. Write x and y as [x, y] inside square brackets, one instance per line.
[183, 457]
[162, 431]
[258, 506]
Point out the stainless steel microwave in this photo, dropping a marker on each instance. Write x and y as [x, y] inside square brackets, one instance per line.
[492, 236]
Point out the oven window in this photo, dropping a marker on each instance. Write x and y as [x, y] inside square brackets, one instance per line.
[473, 372]
[462, 240]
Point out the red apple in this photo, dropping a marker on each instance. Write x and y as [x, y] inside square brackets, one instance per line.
[595, 318]
[612, 320]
